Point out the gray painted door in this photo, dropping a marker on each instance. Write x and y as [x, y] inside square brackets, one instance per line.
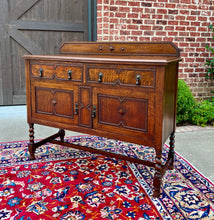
[35, 27]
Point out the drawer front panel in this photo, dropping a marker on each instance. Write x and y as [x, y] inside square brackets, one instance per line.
[122, 76]
[57, 71]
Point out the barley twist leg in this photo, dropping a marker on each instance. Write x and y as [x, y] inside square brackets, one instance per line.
[31, 146]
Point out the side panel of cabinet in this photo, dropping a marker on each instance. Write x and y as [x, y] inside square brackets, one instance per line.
[123, 112]
[52, 103]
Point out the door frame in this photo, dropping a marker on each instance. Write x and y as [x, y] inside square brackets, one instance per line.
[92, 20]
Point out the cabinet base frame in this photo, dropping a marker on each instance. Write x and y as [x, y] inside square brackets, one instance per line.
[160, 168]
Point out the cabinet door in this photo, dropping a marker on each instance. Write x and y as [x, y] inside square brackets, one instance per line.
[124, 112]
[51, 103]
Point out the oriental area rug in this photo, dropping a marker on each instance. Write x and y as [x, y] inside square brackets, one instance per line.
[64, 183]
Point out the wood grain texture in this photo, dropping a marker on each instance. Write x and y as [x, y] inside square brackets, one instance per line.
[115, 48]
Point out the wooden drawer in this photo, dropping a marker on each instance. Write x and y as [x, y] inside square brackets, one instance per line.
[57, 71]
[142, 77]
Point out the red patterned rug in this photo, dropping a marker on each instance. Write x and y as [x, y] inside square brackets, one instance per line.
[64, 183]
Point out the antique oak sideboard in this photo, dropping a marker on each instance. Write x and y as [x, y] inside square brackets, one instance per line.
[124, 91]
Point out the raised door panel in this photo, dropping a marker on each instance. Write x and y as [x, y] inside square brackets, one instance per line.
[53, 104]
[124, 112]
[43, 100]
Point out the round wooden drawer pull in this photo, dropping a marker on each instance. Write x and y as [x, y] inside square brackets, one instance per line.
[122, 111]
[54, 102]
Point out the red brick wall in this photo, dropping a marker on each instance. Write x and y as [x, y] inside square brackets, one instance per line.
[184, 22]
